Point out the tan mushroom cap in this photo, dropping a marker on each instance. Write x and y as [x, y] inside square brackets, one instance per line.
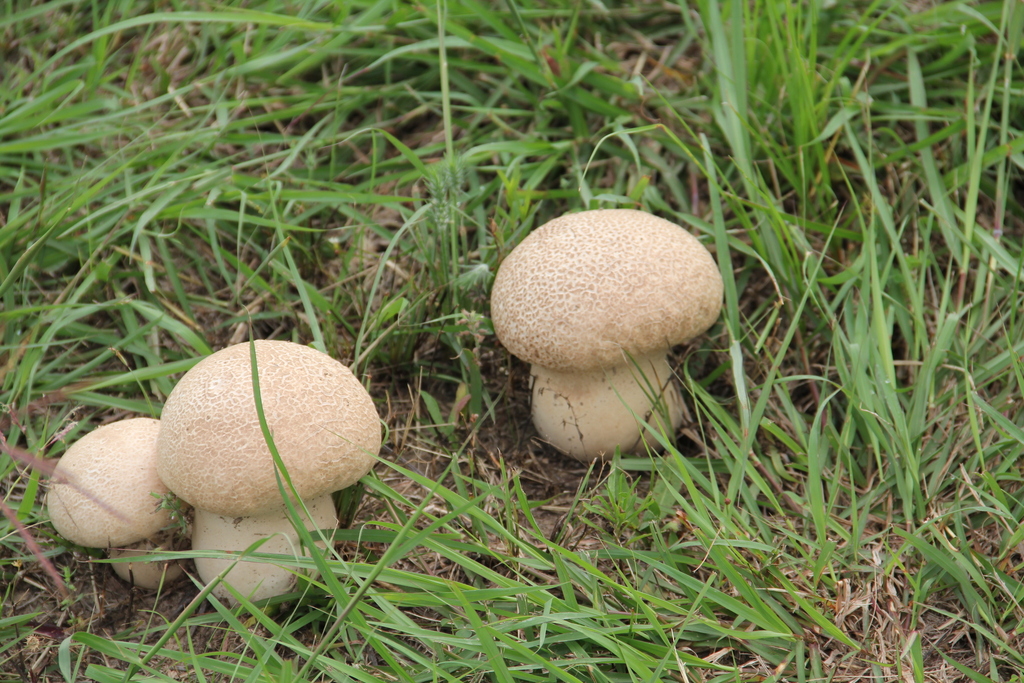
[212, 452]
[101, 495]
[586, 288]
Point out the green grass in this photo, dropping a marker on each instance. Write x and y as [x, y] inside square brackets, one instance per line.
[845, 501]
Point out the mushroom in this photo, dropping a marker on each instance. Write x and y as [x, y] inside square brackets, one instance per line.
[212, 453]
[104, 495]
[594, 301]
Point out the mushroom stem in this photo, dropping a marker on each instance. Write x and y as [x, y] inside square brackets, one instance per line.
[588, 414]
[257, 580]
[147, 574]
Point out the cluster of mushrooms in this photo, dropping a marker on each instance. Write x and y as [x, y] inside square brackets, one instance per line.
[209, 450]
[593, 300]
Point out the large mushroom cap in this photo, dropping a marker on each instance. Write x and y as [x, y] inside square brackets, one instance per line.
[103, 485]
[211, 449]
[586, 288]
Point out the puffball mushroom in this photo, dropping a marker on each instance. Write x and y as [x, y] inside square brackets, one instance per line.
[594, 301]
[102, 497]
[212, 452]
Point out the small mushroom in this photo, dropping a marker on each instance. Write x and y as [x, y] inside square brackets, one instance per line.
[212, 453]
[594, 301]
[102, 496]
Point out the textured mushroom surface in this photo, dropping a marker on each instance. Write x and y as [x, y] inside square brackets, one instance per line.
[102, 491]
[211, 449]
[587, 289]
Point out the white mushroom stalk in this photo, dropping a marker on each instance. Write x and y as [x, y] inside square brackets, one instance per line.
[106, 493]
[213, 454]
[588, 414]
[594, 301]
[237, 534]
